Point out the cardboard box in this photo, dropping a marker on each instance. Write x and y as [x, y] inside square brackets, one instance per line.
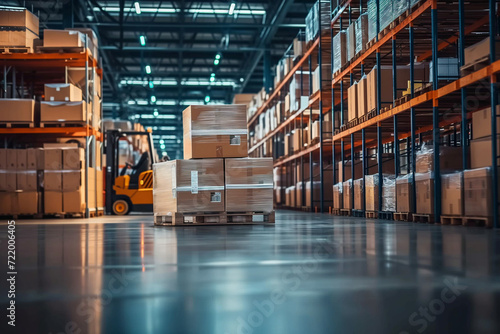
[92, 41]
[188, 185]
[389, 194]
[27, 180]
[17, 38]
[26, 202]
[481, 123]
[347, 194]
[249, 184]
[299, 193]
[299, 47]
[52, 202]
[73, 180]
[74, 201]
[19, 18]
[404, 194]
[76, 76]
[73, 158]
[31, 158]
[478, 192]
[450, 159]
[327, 129]
[452, 194]
[352, 100]
[63, 38]
[6, 207]
[479, 51]
[63, 111]
[371, 192]
[359, 195]
[385, 89]
[338, 197]
[21, 161]
[481, 152]
[339, 51]
[52, 180]
[362, 100]
[50, 158]
[3, 158]
[17, 110]
[351, 41]
[215, 131]
[8, 180]
[424, 185]
[358, 170]
[62, 93]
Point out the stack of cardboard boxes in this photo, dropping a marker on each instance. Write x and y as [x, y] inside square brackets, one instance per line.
[18, 28]
[216, 174]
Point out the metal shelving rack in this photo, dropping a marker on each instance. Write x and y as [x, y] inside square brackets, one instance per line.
[317, 54]
[34, 63]
[430, 115]
[432, 110]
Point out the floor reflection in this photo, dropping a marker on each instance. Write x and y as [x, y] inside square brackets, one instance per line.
[308, 274]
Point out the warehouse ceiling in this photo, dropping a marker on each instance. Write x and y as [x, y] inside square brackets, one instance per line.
[159, 56]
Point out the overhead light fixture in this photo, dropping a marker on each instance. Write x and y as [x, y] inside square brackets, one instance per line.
[231, 8]
[148, 69]
[162, 141]
[162, 146]
[153, 99]
[242, 79]
[217, 56]
[216, 62]
[142, 40]
[212, 79]
[155, 112]
[151, 85]
[207, 98]
[137, 7]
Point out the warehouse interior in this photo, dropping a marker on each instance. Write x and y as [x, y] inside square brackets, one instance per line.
[250, 166]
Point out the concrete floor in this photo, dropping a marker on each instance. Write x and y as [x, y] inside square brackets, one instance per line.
[308, 274]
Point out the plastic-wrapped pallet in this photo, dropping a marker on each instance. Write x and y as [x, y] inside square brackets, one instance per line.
[452, 194]
[414, 2]
[478, 192]
[424, 188]
[347, 194]
[404, 193]
[339, 51]
[372, 19]
[399, 7]
[386, 13]
[351, 41]
[358, 194]
[338, 198]
[371, 192]
[450, 159]
[314, 19]
[299, 87]
[389, 194]
[361, 31]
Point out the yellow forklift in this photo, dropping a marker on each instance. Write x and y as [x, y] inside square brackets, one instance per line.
[131, 187]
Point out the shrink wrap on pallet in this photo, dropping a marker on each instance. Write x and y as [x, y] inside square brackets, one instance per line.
[358, 194]
[215, 131]
[450, 159]
[478, 192]
[424, 186]
[399, 7]
[372, 20]
[371, 192]
[338, 199]
[249, 185]
[361, 31]
[351, 41]
[389, 194]
[188, 186]
[452, 194]
[404, 193]
[315, 18]
[339, 51]
[386, 13]
[347, 194]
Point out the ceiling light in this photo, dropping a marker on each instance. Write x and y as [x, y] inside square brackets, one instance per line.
[155, 113]
[142, 40]
[137, 7]
[207, 98]
[212, 79]
[231, 8]
[162, 141]
[153, 99]
[242, 79]
[148, 69]
[217, 56]
[162, 146]
[216, 62]
[151, 85]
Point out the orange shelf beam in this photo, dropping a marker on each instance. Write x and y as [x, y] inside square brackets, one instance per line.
[66, 131]
[326, 142]
[283, 82]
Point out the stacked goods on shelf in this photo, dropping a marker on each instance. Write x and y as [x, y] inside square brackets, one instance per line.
[299, 46]
[63, 103]
[478, 191]
[326, 73]
[480, 145]
[372, 19]
[361, 31]
[404, 194]
[339, 43]
[480, 52]
[18, 111]
[452, 194]
[389, 194]
[347, 194]
[278, 175]
[338, 198]
[18, 29]
[216, 176]
[299, 91]
[358, 194]
[351, 41]
[352, 101]
[318, 16]
[386, 13]
[371, 192]
[447, 69]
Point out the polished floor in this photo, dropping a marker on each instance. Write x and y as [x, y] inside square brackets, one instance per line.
[308, 274]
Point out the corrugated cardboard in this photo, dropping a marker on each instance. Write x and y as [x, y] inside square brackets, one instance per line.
[31, 158]
[6, 203]
[20, 18]
[74, 201]
[50, 158]
[358, 195]
[188, 186]
[26, 202]
[21, 161]
[53, 180]
[215, 131]
[17, 110]
[62, 93]
[352, 100]
[347, 194]
[452, 194]
[389, 194]
[73, 158]
[404, 194]
[249, 184]
[92, 41]
[371, 192]
[338, 198]
[478, 192]
[52, 202]
[11, 155]
[424, 185]
[450, 159]
[17, 38]
[63, 38]
[298, 194]
[479, 51]
[362, 98]
[481, 123]
[385, 89]
[358, 170]
[72, 180]
[63, 111]
[9, 182]
[3, 158]
[481, 152]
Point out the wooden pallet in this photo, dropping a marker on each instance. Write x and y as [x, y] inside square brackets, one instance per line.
[15, 49]
[403, 100]
[17, 124]
[335, 212]
[22, 216]
[423, 218]
[213, 218]
[371, 214]
[57, 49]
[358, 213]
[476, 66]
[451, 220]
[478, 221]
[346, 212]
[62, 124]
[386, 215]
[423, 89]
[402, 216]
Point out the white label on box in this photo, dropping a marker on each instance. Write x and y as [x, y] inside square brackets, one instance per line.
[215, 197]
[58, 89]
[66, 98]
[194, 182]
[52, 98]
[235, 140]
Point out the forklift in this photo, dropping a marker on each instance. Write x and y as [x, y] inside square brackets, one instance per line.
[131, 188]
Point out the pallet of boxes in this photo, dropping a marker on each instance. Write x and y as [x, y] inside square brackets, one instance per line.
[216, 183]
